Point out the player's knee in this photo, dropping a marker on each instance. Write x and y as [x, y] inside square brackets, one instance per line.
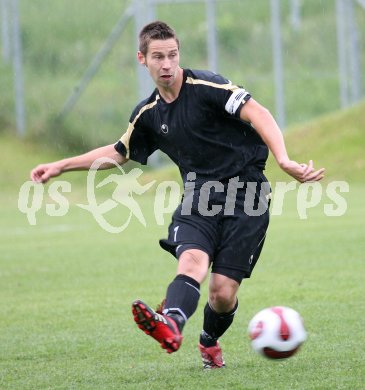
[194, 263]
[222, 293]
[222, 299]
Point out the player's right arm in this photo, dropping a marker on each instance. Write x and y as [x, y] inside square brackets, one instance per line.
[43, 172]
[268, 129]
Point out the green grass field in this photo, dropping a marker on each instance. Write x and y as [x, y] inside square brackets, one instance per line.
[66, 288]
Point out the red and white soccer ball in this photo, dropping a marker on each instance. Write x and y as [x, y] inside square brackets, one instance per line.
[277, 332]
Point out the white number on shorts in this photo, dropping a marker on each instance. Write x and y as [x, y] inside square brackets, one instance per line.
[175, 230]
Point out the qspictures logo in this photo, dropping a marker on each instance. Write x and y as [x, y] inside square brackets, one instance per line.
[128, 191]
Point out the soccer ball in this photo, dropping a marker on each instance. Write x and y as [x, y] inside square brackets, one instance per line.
[277, 332]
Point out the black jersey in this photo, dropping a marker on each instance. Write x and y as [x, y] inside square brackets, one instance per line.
[200, 131]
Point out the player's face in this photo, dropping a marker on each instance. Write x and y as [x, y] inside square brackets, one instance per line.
[162, 61]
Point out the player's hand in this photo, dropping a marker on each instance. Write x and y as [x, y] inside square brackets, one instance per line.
[42, 173]
[304, 173]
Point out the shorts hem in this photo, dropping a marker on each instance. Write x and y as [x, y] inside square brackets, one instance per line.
[177, 249]
[237, 275]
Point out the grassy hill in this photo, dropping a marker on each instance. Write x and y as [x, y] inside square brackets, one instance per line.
[335, 141]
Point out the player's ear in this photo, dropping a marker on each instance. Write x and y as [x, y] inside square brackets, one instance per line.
[141, 58]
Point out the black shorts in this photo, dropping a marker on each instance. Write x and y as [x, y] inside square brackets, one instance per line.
[233, 237]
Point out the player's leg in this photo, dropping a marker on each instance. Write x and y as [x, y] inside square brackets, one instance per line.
[218, 317]
[242, 238]
[183, 293]
[191, 241]
[182, 299]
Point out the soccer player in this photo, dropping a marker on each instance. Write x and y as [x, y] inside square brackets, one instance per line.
[219, 137]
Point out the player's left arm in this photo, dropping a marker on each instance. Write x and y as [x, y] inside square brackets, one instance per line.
[266, 126]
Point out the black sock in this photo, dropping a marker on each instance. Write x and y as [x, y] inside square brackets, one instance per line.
[215, 324]
[182, 299]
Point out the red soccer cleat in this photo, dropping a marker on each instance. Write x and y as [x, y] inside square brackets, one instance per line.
[212, 356]
[160, 327]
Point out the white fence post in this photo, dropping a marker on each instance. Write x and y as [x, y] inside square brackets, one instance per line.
[212, 35]
[144, 13]
[278, 63]
[18, 71]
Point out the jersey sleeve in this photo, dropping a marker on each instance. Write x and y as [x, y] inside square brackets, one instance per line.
[229, 96]
[136, 143]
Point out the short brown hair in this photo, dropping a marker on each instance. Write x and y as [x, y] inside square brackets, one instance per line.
[155, 30]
